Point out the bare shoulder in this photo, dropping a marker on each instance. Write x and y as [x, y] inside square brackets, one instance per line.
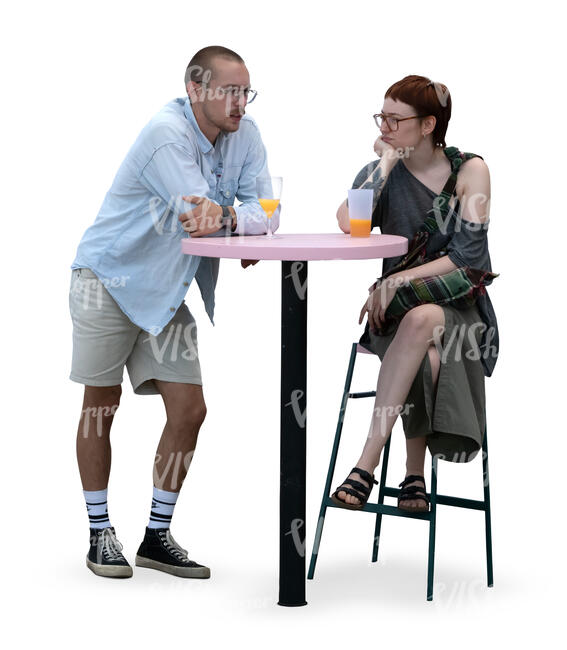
[474, 169]
[473, 177]
[473, 190]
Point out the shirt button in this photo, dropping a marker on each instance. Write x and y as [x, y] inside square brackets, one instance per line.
[172, 309]
[227, 193]
[186, 284]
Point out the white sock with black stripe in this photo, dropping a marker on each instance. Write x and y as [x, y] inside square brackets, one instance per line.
[163, 503]
[97, 508]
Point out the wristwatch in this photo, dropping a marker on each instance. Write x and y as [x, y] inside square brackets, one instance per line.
[226, 218]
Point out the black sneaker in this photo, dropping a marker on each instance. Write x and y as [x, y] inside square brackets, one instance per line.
[160, 551]
[105, 555]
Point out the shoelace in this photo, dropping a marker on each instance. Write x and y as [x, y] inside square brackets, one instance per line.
[173, 547]
[111, 547]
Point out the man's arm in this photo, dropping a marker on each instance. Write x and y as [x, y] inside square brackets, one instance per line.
[250, 217]
[171, 174]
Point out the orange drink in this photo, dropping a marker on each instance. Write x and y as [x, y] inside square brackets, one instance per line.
[360, 227]
[269, 206]
[360, 212]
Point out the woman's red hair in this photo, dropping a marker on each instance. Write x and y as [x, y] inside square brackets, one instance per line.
[427, 98]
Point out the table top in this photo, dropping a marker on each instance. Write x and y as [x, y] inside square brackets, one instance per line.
[300, 247]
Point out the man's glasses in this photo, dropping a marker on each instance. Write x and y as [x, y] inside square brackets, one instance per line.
[237, 93]
[392, 122]
[234, 92]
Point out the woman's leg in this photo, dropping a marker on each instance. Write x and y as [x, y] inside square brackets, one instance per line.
[415, 335]
[415, 447]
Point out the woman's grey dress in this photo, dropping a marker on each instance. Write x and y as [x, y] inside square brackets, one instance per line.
[453, 416]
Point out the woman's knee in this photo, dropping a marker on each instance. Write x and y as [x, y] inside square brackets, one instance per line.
[424, 321]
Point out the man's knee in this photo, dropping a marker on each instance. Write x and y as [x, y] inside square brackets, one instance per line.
[99, 406]
[103, 396]
[188, 420]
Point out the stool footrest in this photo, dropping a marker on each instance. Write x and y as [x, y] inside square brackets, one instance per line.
[385, 510]
[442, 499]
[369, 393]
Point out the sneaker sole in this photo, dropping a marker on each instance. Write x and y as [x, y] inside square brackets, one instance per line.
[110, 571]
[182, 572]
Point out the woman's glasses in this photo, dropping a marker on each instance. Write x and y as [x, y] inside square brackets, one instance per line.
[392, 122]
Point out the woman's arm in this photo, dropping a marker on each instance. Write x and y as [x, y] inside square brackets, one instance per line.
[473, 192]
[376, 180]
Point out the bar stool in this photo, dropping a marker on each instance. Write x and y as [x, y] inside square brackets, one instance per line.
[380, 509]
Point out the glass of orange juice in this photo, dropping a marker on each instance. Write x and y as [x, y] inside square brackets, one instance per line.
[360, 212]
[269, 194]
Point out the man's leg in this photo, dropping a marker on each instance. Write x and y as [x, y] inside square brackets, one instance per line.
[93, 436]
[186, 411]
[93, 455]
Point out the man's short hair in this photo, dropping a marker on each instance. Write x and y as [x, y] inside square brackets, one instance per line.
[200, 67]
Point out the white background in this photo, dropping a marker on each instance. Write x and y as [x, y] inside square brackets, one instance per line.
[79, 81]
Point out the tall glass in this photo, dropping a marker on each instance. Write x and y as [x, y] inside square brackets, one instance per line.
[360, 212]
[269, 192]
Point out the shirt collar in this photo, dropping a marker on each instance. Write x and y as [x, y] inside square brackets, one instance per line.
[204, 144]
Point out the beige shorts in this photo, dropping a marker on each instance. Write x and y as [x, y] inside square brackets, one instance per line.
[105, 339]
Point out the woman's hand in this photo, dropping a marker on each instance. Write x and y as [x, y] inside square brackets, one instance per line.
[381, 295]
[384, 150]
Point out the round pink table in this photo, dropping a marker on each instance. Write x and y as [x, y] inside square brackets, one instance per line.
[294, 251]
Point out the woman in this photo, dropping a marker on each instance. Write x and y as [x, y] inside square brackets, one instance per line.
[434, 361]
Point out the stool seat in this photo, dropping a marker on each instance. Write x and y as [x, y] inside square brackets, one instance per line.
[360, 349]
[380, 509]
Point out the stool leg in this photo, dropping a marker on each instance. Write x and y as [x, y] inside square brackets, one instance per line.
[376, 542]
[432, 515]
[487, 521]
[332, 463]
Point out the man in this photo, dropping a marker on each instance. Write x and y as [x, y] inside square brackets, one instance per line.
[129, 280]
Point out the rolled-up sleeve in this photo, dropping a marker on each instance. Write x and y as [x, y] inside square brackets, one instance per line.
[250, 217]
[172, 172]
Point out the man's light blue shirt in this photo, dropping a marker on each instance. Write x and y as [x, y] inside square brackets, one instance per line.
[134, 245]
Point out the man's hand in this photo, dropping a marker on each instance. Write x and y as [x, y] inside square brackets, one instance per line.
[204, 219]
[245, 263]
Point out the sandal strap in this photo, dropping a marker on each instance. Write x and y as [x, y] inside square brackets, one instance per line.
[413, 490]
[364, 475]
[353, 493]
[365, 489]
[411, 479]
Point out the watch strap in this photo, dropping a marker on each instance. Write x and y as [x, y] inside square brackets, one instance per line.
[226, 217]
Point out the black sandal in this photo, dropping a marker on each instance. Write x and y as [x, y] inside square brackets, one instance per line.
[413, 493]
[355, 489]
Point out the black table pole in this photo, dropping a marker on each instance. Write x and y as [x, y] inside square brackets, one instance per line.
[293, 430]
